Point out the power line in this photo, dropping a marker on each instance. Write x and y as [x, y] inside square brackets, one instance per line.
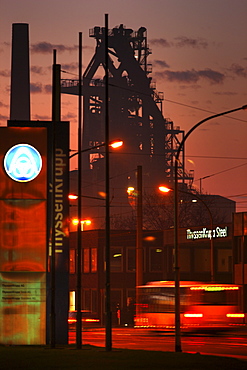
[167, 100]
[203, 110]
[214, 157]
[226, 170]
[187, 156]
[237, 195]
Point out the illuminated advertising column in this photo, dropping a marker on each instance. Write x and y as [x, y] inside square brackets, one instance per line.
[60, 174]
[61, 232]
[23, 235]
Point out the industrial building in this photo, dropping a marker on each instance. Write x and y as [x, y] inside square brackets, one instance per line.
[196, 251]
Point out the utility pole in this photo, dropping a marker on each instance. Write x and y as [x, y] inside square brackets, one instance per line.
[79, 236]
[56, 117]
[139, 249]
[108, 318]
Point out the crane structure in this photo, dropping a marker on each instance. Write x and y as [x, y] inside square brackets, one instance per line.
[135, 116]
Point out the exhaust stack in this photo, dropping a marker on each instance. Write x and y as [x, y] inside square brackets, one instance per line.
[20, 73]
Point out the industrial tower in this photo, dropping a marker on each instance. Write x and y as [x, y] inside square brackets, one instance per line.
[20, 73]
[135, 116]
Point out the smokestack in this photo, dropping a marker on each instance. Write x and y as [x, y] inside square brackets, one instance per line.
[20, 73]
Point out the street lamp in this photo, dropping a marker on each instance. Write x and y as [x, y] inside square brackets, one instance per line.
[114, 144]
[164, 189]
[178, 347]
[72, 197]
[76, 221]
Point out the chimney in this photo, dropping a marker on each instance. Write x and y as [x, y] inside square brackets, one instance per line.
[20, 73]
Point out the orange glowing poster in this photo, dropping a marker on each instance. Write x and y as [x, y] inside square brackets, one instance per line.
[23, 235]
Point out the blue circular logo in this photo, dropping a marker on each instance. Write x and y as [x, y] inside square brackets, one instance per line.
[22, 163]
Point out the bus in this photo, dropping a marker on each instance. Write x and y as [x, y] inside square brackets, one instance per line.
[203, 306]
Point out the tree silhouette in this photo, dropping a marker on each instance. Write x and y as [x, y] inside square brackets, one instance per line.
[158, 211]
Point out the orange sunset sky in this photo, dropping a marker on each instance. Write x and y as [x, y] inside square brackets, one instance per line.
[199, 61]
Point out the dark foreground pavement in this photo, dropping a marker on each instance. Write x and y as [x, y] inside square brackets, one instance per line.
[90, 357]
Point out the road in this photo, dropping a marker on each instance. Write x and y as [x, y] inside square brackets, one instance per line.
[234, 345]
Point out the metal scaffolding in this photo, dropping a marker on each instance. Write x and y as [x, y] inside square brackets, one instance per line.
[135, 114]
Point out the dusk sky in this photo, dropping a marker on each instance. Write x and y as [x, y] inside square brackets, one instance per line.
[199, 59]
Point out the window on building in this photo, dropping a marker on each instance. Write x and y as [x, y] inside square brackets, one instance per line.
[72, 300]
[94, 301]
[185, 264]
[202, 260]
[131, 259]
[86, 260]
[224, 260]
[131, 299]
[93, 259]
[116, 259]
[72, 261]
[238, 250]
[156, 259]
[86, 300]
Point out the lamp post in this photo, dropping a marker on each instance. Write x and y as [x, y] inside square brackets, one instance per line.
[114, 144]
[139, 226]
[108, 318]
[178, 346]
[107, 198]
[78, 302]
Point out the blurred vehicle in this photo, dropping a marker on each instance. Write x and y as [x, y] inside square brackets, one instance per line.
[203, 306]
[88, 319]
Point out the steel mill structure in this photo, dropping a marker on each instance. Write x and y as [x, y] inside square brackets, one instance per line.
[135, 116]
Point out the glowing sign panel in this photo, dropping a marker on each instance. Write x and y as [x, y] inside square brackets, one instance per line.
[22, 163]
[218, 232]
[214, 288]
